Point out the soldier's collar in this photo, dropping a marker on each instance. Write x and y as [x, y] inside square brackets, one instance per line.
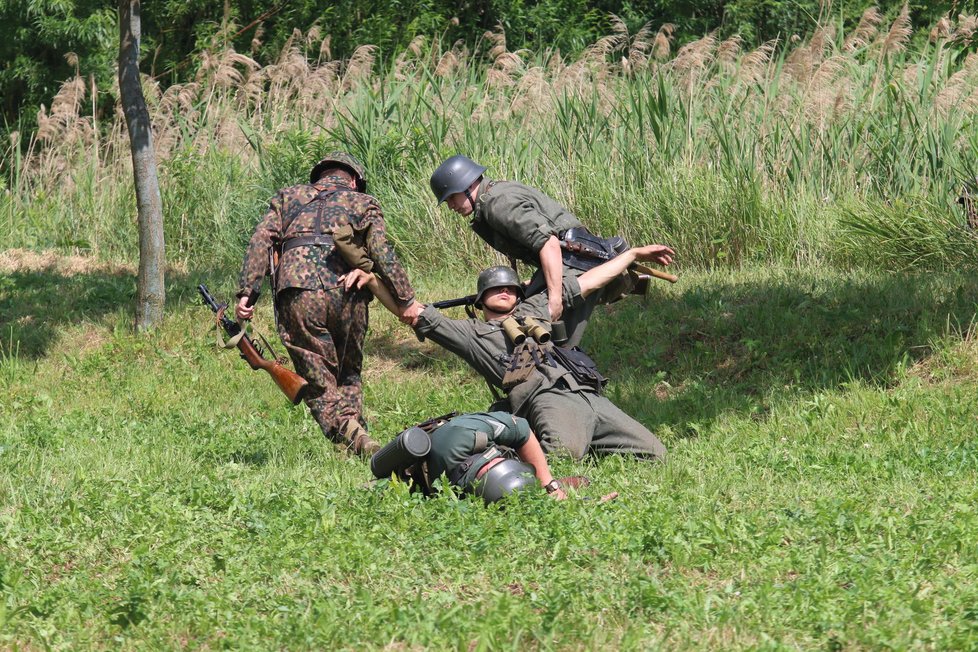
[333, 181]
[484, 189]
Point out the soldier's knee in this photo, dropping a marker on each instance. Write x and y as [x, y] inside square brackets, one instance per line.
[554, 444]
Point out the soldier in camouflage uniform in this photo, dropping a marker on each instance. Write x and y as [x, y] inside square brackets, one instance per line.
[566, 409]
[527, 225]
[321, 320]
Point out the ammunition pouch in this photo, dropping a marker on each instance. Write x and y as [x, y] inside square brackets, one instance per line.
[581, 366]
[527, 357]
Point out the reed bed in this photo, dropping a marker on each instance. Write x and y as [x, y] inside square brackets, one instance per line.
[840, 148]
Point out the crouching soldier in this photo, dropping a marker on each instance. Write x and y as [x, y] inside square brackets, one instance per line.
[471, 450]
[526, 225]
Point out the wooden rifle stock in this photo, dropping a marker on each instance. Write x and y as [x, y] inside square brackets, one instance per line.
[651, 271]
[292, 384]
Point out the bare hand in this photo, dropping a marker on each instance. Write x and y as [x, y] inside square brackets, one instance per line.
[243, 310]
[356, 279]
[410, 314]
[559, 494]
[556, 307]
[656, 253]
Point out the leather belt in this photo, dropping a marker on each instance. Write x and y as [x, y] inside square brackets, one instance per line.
[307, 241]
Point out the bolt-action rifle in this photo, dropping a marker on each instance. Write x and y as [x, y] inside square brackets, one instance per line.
[582, 250]
[292, 384]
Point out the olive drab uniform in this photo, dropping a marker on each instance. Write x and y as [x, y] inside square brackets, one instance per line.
[517, 221]
[322, 326]
[566, 410]
[465, 444]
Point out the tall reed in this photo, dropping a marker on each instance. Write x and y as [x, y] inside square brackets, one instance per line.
[808, 151]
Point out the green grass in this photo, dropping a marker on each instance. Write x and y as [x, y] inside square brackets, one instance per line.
[820, 492]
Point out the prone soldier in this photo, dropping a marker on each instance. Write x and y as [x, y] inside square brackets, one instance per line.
[471, 451]
[310, 238]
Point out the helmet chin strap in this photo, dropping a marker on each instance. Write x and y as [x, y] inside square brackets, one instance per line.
[470, 198]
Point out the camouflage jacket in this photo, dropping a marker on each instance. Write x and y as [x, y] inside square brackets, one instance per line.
[517, 220]
[292, 213]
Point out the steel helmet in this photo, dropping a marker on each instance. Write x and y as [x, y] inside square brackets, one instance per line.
[503, 479]
[343, 160]
[497, 277]
[454, 175]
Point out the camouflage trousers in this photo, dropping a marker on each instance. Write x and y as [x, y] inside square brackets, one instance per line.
[323, 331]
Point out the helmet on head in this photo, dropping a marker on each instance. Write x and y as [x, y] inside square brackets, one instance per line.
[503, 479]
[454, 175]
[497, 277]
[341, 160]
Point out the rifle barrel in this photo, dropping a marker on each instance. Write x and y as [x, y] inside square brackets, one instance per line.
[451, 303]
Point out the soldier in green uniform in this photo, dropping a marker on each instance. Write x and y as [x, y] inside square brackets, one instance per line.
[559, 392]
[473, 452]
[321, 321]
[527, 225]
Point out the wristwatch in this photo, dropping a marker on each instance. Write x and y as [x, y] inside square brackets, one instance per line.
[552, 486]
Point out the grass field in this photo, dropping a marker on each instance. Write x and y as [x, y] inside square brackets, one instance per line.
[816, 388]
[820, 492]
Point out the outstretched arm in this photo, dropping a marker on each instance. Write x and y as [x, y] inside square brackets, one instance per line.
[552, 265]
[359, 279]
[598, 277]
[532, 454]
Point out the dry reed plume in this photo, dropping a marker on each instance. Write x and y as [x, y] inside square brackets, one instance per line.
[823, 81]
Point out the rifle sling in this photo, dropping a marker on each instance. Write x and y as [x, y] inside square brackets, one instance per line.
[232, 341]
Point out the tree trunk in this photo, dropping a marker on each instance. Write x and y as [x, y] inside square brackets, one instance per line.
[150, 294]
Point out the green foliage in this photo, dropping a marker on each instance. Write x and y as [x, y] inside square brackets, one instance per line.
[158, 494]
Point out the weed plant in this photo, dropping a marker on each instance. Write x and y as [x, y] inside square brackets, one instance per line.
[844, 148]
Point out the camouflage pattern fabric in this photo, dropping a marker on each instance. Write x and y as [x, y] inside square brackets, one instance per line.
[290, 216]
[323, 327]
[323, 331]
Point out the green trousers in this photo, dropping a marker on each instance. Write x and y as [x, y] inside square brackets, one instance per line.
[578, 423]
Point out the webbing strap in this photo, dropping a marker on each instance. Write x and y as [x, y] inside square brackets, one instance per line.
[481, 441]
[231, 342]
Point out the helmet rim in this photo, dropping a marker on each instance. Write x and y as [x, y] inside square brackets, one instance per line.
[455, 174]
[343, 160]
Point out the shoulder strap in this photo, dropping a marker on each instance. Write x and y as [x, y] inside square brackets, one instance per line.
[321, 196]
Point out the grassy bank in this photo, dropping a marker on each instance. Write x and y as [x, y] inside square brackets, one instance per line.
[820, 491]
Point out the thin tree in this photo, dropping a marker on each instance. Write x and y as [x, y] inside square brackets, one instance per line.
[150, 293]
